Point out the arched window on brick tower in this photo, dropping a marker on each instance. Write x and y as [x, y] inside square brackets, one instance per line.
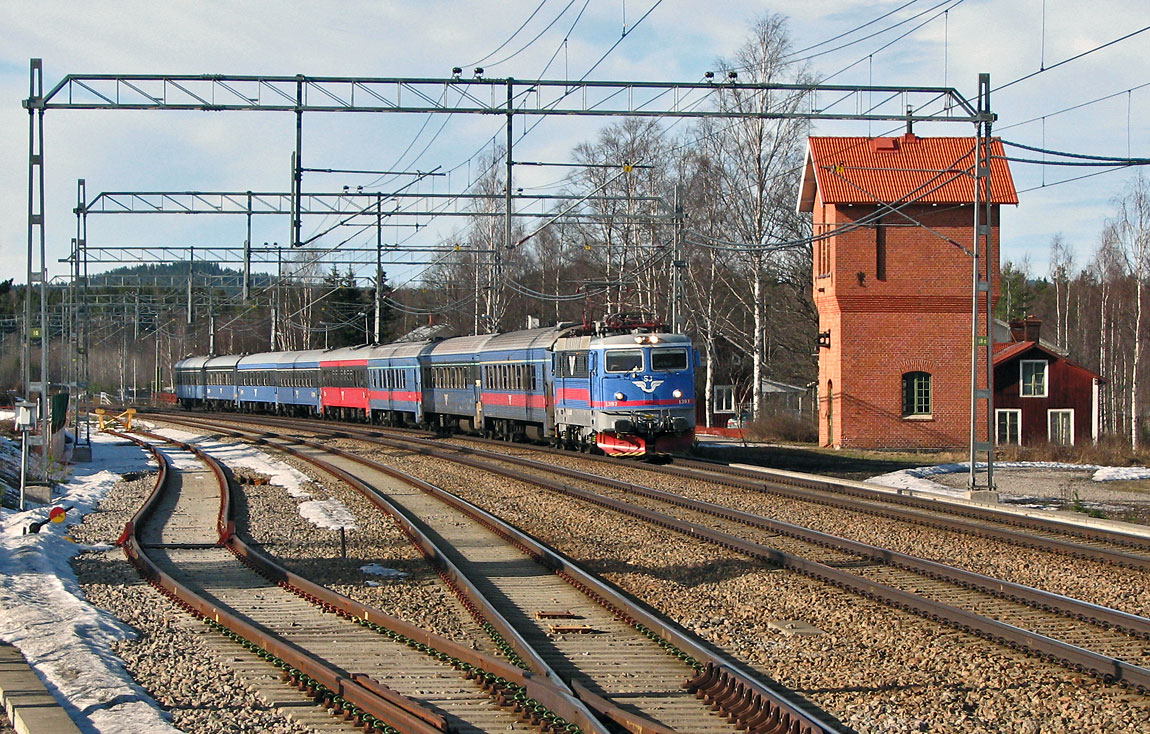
[916, 395]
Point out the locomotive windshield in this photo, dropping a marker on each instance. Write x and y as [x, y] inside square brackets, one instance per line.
[624, 360]
[668, 360]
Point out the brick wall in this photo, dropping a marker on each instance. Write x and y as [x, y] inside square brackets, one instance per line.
[896, 299]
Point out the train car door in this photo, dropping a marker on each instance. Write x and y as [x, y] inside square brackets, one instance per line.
[475, 372]
[546, 378]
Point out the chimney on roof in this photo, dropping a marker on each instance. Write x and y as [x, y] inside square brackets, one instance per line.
[909, 122]
[1025, 330]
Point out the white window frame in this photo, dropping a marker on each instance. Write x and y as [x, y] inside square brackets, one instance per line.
[1050, 414]
[1018, 426]
[724, 398]
[1045, 377]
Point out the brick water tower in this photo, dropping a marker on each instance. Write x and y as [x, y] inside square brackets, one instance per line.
[894, 231]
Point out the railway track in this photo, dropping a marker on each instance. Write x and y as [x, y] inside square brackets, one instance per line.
[1109, 643]
[1045, 534]
[574, 629]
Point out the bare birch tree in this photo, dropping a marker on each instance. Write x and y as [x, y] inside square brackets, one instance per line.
[1131, 233]
[759, 170]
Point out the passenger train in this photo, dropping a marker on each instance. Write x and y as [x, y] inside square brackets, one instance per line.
[624, 386]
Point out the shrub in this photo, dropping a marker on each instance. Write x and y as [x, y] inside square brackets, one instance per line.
[783, 427]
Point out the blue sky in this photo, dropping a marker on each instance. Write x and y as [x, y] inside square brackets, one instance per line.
[677, 41]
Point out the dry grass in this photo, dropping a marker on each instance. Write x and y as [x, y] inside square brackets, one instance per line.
[1109, 451]
[783, 427]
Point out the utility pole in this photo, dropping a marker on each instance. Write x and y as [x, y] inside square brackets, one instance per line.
[677, 263]
[378, 265]
[297, 163]
[247, 286]
[982, 298]
[191, 269]
[496, 300]
[276, 298]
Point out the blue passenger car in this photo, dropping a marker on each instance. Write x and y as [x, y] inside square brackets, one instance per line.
[190, 381]
[255, 380]
[515, 372]
[220, 377]
[393, 377]
[451, 383]
[298, 382]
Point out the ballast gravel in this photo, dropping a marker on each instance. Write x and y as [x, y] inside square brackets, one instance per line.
[876, 668]
[416, 595]
[1091, 581]
[167, 658]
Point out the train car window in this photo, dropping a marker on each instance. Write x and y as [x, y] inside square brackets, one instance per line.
[623, 360]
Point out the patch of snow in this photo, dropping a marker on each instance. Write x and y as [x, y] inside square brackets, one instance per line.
[242, 455]
[917, 479]
[43, 613]
[1117, 473]
[330, 513]
[377, 570]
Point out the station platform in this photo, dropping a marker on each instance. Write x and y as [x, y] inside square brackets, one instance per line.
[30, 707]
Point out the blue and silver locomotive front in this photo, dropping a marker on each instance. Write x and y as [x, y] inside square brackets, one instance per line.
[642, 393]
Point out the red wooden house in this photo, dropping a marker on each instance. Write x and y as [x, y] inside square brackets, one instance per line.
[1040, 396]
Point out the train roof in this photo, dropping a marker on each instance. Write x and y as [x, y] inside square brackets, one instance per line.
[398, 350]
[224, 361]
[460, 345]
[309, 358]
[542, 338]
[262, 360]
[345, 354]
[191, 363]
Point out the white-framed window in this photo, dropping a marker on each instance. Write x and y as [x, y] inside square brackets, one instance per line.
[1060, 426]
[1009, 422]
[1032, 382]
[724, 400]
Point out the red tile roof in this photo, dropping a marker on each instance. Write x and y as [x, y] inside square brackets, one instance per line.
[907, 168]
[1005, 351]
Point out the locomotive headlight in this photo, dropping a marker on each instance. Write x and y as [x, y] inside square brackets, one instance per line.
[640, 339]
[619, 396]
[678, 393]
[654, 339]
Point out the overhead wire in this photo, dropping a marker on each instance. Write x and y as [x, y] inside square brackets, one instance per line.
[857, 28]
[1075, 57]
[512, 36]
[536, 38]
